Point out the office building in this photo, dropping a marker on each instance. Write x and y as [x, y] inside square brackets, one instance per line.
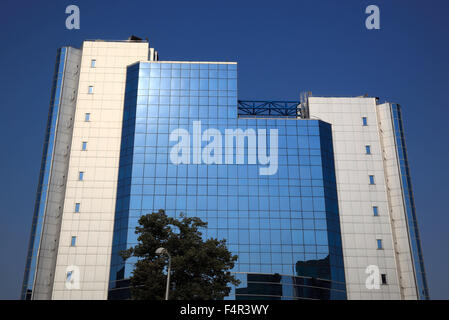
[310, 194]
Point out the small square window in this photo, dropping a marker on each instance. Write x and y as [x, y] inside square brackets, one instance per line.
[375, 211]
[84, 147]
[77, 207]
[368, 149]
[81, 175]
[73, 241]
[371, 179]
[379, 244]
[364, 121]
[87, 117]
[69, 275]
[384, 278]
[91, 89]
[93, 62]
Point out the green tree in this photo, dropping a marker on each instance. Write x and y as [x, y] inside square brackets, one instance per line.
[200, 268]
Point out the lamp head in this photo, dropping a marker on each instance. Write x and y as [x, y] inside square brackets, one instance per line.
[161, 250]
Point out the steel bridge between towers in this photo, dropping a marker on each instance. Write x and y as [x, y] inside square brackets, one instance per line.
[270, 109]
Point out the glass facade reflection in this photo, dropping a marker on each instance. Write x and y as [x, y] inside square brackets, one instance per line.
[283, 226]
[44, 176]
[409, 203]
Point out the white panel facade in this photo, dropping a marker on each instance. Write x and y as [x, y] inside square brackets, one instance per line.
[101, 95]
[360, 228]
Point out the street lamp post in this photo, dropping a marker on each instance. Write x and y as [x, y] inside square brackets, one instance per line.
[165, 251]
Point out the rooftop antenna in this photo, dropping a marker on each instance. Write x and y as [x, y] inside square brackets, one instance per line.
[304, 104]
[134, 38]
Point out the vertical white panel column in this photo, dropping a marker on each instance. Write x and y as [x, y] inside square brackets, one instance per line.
[93, 224]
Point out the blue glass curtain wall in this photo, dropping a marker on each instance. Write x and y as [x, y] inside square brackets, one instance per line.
[409, 203]
[283, 226]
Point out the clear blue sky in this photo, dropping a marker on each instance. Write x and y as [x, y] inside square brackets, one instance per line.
[282, 47]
